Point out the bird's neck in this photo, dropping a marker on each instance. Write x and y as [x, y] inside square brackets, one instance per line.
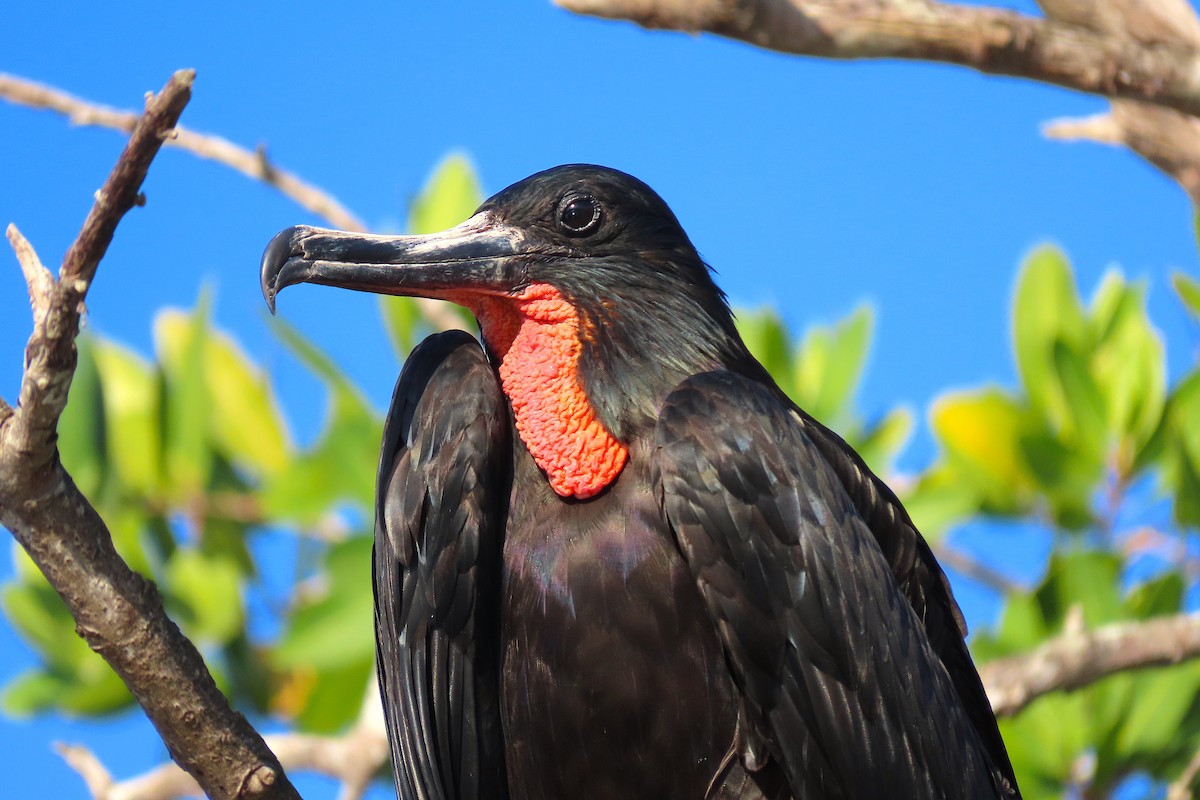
[536, 336]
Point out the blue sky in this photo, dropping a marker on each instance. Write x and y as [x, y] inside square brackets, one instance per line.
[812, 185]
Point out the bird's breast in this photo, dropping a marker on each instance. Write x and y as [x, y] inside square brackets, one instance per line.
[611, 666]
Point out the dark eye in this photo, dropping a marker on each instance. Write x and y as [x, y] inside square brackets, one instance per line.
[579, 214]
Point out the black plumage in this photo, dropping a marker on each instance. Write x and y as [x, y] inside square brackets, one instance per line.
[745, 611]
[436, 555]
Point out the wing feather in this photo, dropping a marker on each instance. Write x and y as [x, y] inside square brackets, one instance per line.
[441, 499]
[839, 681]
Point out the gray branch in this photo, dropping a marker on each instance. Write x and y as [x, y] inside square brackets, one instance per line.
[251, 163]
[991, 40]
[117, 611]
[1143, 54]
[1078, 658]
[254, 164]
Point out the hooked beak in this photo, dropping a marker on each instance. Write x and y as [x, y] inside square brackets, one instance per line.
[476, 255]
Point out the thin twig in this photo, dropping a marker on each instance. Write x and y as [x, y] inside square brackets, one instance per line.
[353, 758]
[991, 40]
[117, 611]
[1099, 128]
[1181, 787]
[1143, 54]
[252, 163]
[1166, 138]
[1077, 658]
[97, 777]
[38, 279]
[969, 567]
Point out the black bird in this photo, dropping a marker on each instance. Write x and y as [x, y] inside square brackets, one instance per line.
[612, 558]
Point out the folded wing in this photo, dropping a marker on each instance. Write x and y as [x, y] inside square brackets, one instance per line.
[840, 685]
[441, 494]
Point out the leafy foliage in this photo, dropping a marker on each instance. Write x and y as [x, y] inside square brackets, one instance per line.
[1089, 416]
[190, 462]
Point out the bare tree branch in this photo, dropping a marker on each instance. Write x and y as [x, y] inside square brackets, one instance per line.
[1181, 787]
[1077, 658]
[353, 759]
[252, 163]
[1143, 53]
[38, 279]
[1099, 128]
[1166, 138]
[976, 570]
[117, 611]
[991, 40]
[1074, 659]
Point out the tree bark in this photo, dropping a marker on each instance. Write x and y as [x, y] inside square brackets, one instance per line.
[117, 611]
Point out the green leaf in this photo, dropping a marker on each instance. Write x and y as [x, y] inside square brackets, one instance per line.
[880, 445]
[1183, 475]
[132, 403]
[335, 699]
[94, 690]
[127, 522]
[1086, 578]
[1157, 597]
[334, 632]
[32, 692]
[243, 418]
[1108, 703]
[1047, 310]
[42, 619]
[23, 567]
[315, 360]
[340, 467]
[1129, 367]
[827, 367]
[767, 339]
[74, 679]
[1085, 405]
[249, 674]
[232, 513]
[848, 344]
[1160, 701]
[981, 432]
[406, 323]
[205, 592]
[449, 196]
[342, 464]
[1188, 289]
[181, 352]
[1045, 741]
[87, 695]
[1113, 300]
[1066, 476]
[941, 500]
[403, 321]
[1180, 459]
[81, 430]
[1185, 411]
[1021, 628]
[1023, 625]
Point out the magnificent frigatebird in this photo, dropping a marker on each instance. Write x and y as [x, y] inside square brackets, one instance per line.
[612, 558]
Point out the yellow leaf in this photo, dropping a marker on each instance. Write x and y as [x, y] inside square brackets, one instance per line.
[982, 430]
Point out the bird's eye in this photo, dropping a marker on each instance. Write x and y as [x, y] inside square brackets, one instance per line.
[579, 214]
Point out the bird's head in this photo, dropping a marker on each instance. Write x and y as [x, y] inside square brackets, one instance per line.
[584, 242]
